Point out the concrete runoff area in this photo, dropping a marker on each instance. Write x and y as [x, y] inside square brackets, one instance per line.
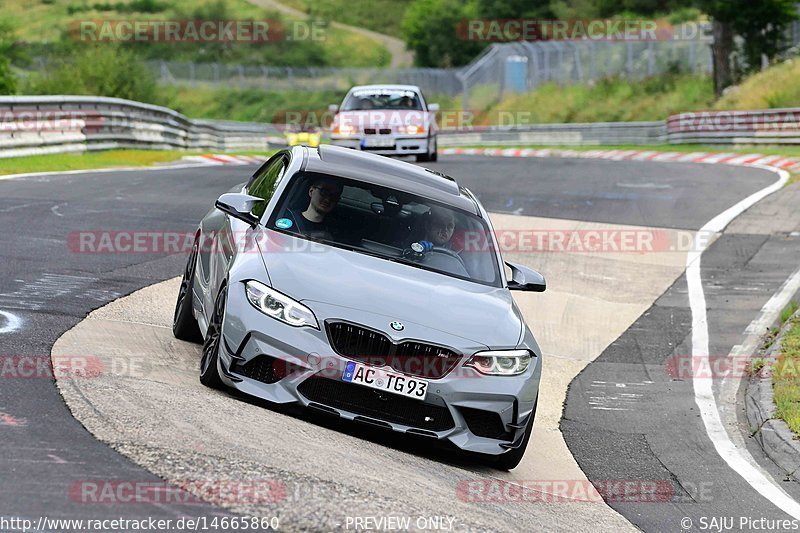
[148, 404]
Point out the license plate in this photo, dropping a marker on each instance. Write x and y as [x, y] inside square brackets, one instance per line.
[379, 379]
[377, 142]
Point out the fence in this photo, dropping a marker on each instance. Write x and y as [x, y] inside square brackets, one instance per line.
[54, 124]
[432, 80]
[484, 81]
[488, 78]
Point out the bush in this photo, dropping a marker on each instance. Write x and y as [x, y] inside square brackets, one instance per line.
[101, 70]
[431, 29]
[8, 82]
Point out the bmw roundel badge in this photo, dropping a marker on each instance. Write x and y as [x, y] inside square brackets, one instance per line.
[397, 326]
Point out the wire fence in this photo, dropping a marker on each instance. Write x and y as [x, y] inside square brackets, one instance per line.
[501, 68]
[432, 80]
[523, 66]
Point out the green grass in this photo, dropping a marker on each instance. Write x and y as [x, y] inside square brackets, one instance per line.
[382, 16]
[87, 160]
[608, 100]
[786, 379]
[48, 22]
[248, 105]
[775, 87]
[788, 311]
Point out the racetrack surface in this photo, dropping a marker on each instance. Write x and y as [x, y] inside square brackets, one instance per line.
[49, 288]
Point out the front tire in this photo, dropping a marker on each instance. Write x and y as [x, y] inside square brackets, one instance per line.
[184, 325]
[428, 155]
[209, 373]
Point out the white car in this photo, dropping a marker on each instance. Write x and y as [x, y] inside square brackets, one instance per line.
[388, 120]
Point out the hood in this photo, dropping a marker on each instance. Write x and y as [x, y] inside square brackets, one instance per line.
[313, 272]
[383, 118]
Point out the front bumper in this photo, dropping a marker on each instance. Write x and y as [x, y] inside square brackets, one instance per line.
[396, 145]
[265, 358]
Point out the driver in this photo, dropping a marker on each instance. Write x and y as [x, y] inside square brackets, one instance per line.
[324, 195]
[440, 223]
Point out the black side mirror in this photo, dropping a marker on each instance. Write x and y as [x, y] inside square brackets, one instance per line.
[239, 205]
[525, 279]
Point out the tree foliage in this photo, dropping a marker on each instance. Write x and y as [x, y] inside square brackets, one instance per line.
[431, 30]
[8, 82]
[99, 70]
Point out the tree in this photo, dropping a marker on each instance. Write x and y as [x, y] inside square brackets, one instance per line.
[761, 26]
[513, 9]
[8, 82]
[432, 30]
[97, 70]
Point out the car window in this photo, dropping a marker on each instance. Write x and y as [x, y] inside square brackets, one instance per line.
[366, 99]
[389, 224]
[264, 183]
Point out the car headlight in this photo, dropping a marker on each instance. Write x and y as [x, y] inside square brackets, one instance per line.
[343, 129]
[279, 306]
[412, 129]
[500, 362]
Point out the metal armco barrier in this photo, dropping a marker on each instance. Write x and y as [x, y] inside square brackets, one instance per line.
[772, 126]
[56, 124]
[589, 134]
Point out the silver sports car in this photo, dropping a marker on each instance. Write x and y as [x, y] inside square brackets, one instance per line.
[370, 289]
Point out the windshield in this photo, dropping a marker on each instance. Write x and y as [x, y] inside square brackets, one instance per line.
[389, 224]
[382, 99]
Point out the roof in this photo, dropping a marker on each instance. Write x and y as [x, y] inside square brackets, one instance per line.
[387, 172]
[391, 87]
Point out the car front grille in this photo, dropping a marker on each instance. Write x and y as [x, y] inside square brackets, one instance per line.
[374, 348]
[485, 423]
[380, 405]
[262, 368]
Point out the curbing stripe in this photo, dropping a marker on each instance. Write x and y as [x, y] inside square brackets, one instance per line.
[747, 160]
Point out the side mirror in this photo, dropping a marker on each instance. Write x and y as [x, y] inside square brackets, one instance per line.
[239, 205]
[433, 108]
[525, 279]
[333, 108]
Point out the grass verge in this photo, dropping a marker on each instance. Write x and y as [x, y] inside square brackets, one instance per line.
[786, 378]
[87, 160]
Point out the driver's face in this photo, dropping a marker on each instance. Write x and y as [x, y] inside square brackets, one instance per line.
[325, 197]
[440, 229]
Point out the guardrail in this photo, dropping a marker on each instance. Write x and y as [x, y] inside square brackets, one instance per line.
[55, 124]
[578, 134]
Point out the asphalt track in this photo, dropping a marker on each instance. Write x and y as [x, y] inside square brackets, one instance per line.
[45, 289]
